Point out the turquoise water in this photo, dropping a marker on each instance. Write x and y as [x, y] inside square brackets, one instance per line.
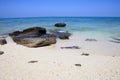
[106, 26]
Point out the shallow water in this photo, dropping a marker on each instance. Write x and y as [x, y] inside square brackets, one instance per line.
[97, 26]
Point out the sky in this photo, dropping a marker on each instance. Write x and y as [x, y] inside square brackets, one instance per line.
[50, 8]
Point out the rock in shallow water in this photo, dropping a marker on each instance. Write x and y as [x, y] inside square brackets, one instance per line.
[115, 40]
[90, 39]
[60, 25]
[61, 34]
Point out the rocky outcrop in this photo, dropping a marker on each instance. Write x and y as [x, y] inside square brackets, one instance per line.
[33, 37]
[29, 31]
[3, 41]
[60, 25]
[37, 37]
[34, 42]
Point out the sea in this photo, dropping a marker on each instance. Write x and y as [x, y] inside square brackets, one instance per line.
[97, 26]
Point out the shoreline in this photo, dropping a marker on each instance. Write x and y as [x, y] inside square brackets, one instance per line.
[102, 45]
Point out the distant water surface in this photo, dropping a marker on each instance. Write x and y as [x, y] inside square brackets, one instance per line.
[103, 25]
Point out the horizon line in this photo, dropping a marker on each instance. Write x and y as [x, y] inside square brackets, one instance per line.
[61, 17]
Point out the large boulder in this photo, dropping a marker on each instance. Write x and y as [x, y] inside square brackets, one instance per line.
[60, 25]
[3, 41]
[30, 31]
[34, 42]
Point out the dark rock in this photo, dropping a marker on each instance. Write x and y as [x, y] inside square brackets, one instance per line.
[35, 30]
[40, 41]
[16, 33]
[115, 40]
[90, 40]
[60, 25]
[29, 31]
[1, 52]
[32, 61]
[71, 47]
[79, 65]
[3, 41]
[85, 54]
[63, 35]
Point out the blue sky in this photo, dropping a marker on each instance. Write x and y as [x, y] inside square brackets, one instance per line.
[43, 8]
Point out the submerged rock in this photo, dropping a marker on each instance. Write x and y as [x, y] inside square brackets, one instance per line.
[60, 25]
[61, 34]
[3, 41]
[90, 39]
[115, 39]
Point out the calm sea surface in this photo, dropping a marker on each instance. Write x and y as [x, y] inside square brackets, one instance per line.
[103, 25]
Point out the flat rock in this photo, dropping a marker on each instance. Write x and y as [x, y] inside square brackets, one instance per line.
[90, 39]
[32, 61]
[34, 42]
[71, 47]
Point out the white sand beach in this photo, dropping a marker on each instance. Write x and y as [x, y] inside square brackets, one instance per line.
[54, 63]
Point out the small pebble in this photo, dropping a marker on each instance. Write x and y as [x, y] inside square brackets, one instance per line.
[85, 54]
[71, 47]
[1, 52]
[32, 61]
[79, 65]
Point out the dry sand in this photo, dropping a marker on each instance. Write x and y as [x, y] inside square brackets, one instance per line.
[53, 63]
